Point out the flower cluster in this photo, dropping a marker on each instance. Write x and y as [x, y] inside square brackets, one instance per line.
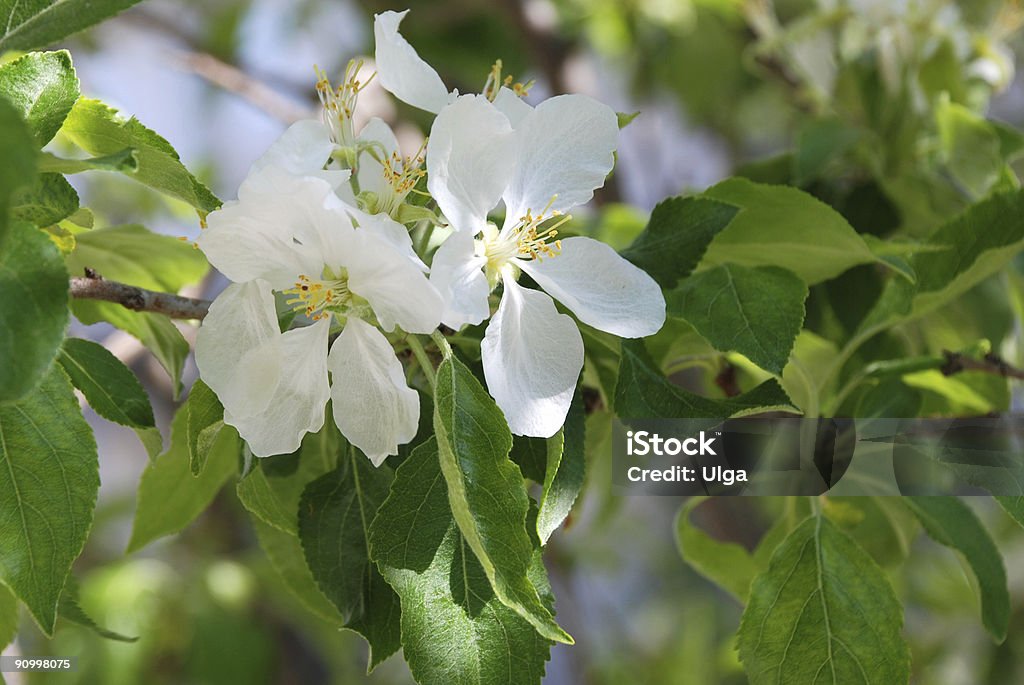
[319, 234]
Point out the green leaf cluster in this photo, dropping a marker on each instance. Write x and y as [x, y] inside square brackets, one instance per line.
[50, 476]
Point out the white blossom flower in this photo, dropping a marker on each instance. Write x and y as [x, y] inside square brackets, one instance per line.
[551, 162]
[292, 234]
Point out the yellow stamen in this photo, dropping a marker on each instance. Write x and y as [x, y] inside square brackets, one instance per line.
[340, 103]
[534, 240]
[315, 298]
[494, 83]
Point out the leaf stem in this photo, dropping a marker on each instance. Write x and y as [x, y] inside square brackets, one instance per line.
[422, 359]
[442, 343]
[423, 239]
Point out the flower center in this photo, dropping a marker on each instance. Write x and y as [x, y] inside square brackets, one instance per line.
[534, 236]
[401, 175]
[339, 103]
[317, 298]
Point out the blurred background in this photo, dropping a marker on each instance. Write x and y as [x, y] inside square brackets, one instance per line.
[718, 84]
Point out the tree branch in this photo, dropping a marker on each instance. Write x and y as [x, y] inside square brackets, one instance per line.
[95, 287]
[990, 363]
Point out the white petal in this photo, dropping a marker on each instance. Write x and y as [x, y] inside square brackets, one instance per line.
[532, 357]
[394, 285]
[403, 72]
[392, 232]
[512, 106]
[298, 403]
[457, 273]
[244, 242]
[601, 288]
[277, 236]
[470, 158]
[302, 150]
[566, 147]
[373, 406]
[238, 348]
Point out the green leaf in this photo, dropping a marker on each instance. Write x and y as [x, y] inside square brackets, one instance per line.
[882, 526]
[285, 554]
[49, 199]
[32, 24]
[111, 389]
[49, 477]
[531, 456]
[976, 244]
[100, 130]
[415, 517]
[625, 119]
[563, 475]
[124, 161]
[170, 497]
[1014, 506]
[785, 227]
[980, 243]
[820, 142]
[486, 491]
[643, 393]
[43, 86]
[205, 421]
[726, 564]
[8, 616]
[18, 152]
[823, 611]
[970, 147]
[952, 523]
[135, 255]
[455, 631]
[155, 331]
[757, 312]
[71, 610]
[33, 309]
[676, 237]
[131, 254]
[272, 490]
[335, 513]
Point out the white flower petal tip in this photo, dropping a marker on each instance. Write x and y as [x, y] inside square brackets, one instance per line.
[298, 403]
[401, 71]
[372, 405]
[273, 386]
[301, 150]
[470, 159]
[566, 150]
[532, 357]
[601, 288]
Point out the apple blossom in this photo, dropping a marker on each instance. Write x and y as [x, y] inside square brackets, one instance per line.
[551, 162]
[293, 235]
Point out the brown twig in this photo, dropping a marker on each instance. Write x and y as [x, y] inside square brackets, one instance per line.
[990, 363]
[234, 80]
[95, 287]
